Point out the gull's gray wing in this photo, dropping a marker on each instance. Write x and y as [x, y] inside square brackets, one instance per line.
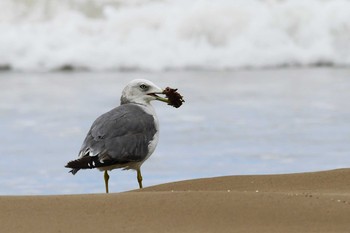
[123, 133]
[119, 136]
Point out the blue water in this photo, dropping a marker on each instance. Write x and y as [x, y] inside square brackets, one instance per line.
[232, 123]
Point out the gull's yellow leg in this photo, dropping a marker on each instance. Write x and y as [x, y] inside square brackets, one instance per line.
[106, 176]
[139, 177]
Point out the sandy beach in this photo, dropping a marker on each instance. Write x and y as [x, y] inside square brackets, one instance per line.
[302, 202]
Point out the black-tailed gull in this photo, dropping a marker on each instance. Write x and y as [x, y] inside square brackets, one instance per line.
[124, 137]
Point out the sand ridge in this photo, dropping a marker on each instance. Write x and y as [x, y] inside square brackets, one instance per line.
[305, 202]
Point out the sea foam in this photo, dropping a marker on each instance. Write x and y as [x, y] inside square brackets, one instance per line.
[41, 35]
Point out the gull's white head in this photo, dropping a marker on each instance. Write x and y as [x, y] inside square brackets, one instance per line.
[141, 91]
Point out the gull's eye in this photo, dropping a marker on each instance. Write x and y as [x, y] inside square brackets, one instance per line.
[143, 87]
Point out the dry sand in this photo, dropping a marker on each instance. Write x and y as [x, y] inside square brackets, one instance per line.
[306, 202]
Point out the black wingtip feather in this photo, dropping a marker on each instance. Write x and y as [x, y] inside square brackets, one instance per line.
[90, 162]
[82, 163]
[72, 164]
[86, 162]
[74, 171]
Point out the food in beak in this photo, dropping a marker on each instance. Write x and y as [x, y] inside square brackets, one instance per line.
[174, 98]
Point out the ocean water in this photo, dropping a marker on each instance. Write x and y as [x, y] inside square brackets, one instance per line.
[158, 35]
[232, 123]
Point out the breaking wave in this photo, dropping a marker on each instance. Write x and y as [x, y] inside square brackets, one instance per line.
[40, 35]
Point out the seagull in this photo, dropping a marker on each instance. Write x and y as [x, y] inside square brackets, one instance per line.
[126, 136]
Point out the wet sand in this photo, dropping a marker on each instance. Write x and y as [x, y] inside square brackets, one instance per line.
[303, 202]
